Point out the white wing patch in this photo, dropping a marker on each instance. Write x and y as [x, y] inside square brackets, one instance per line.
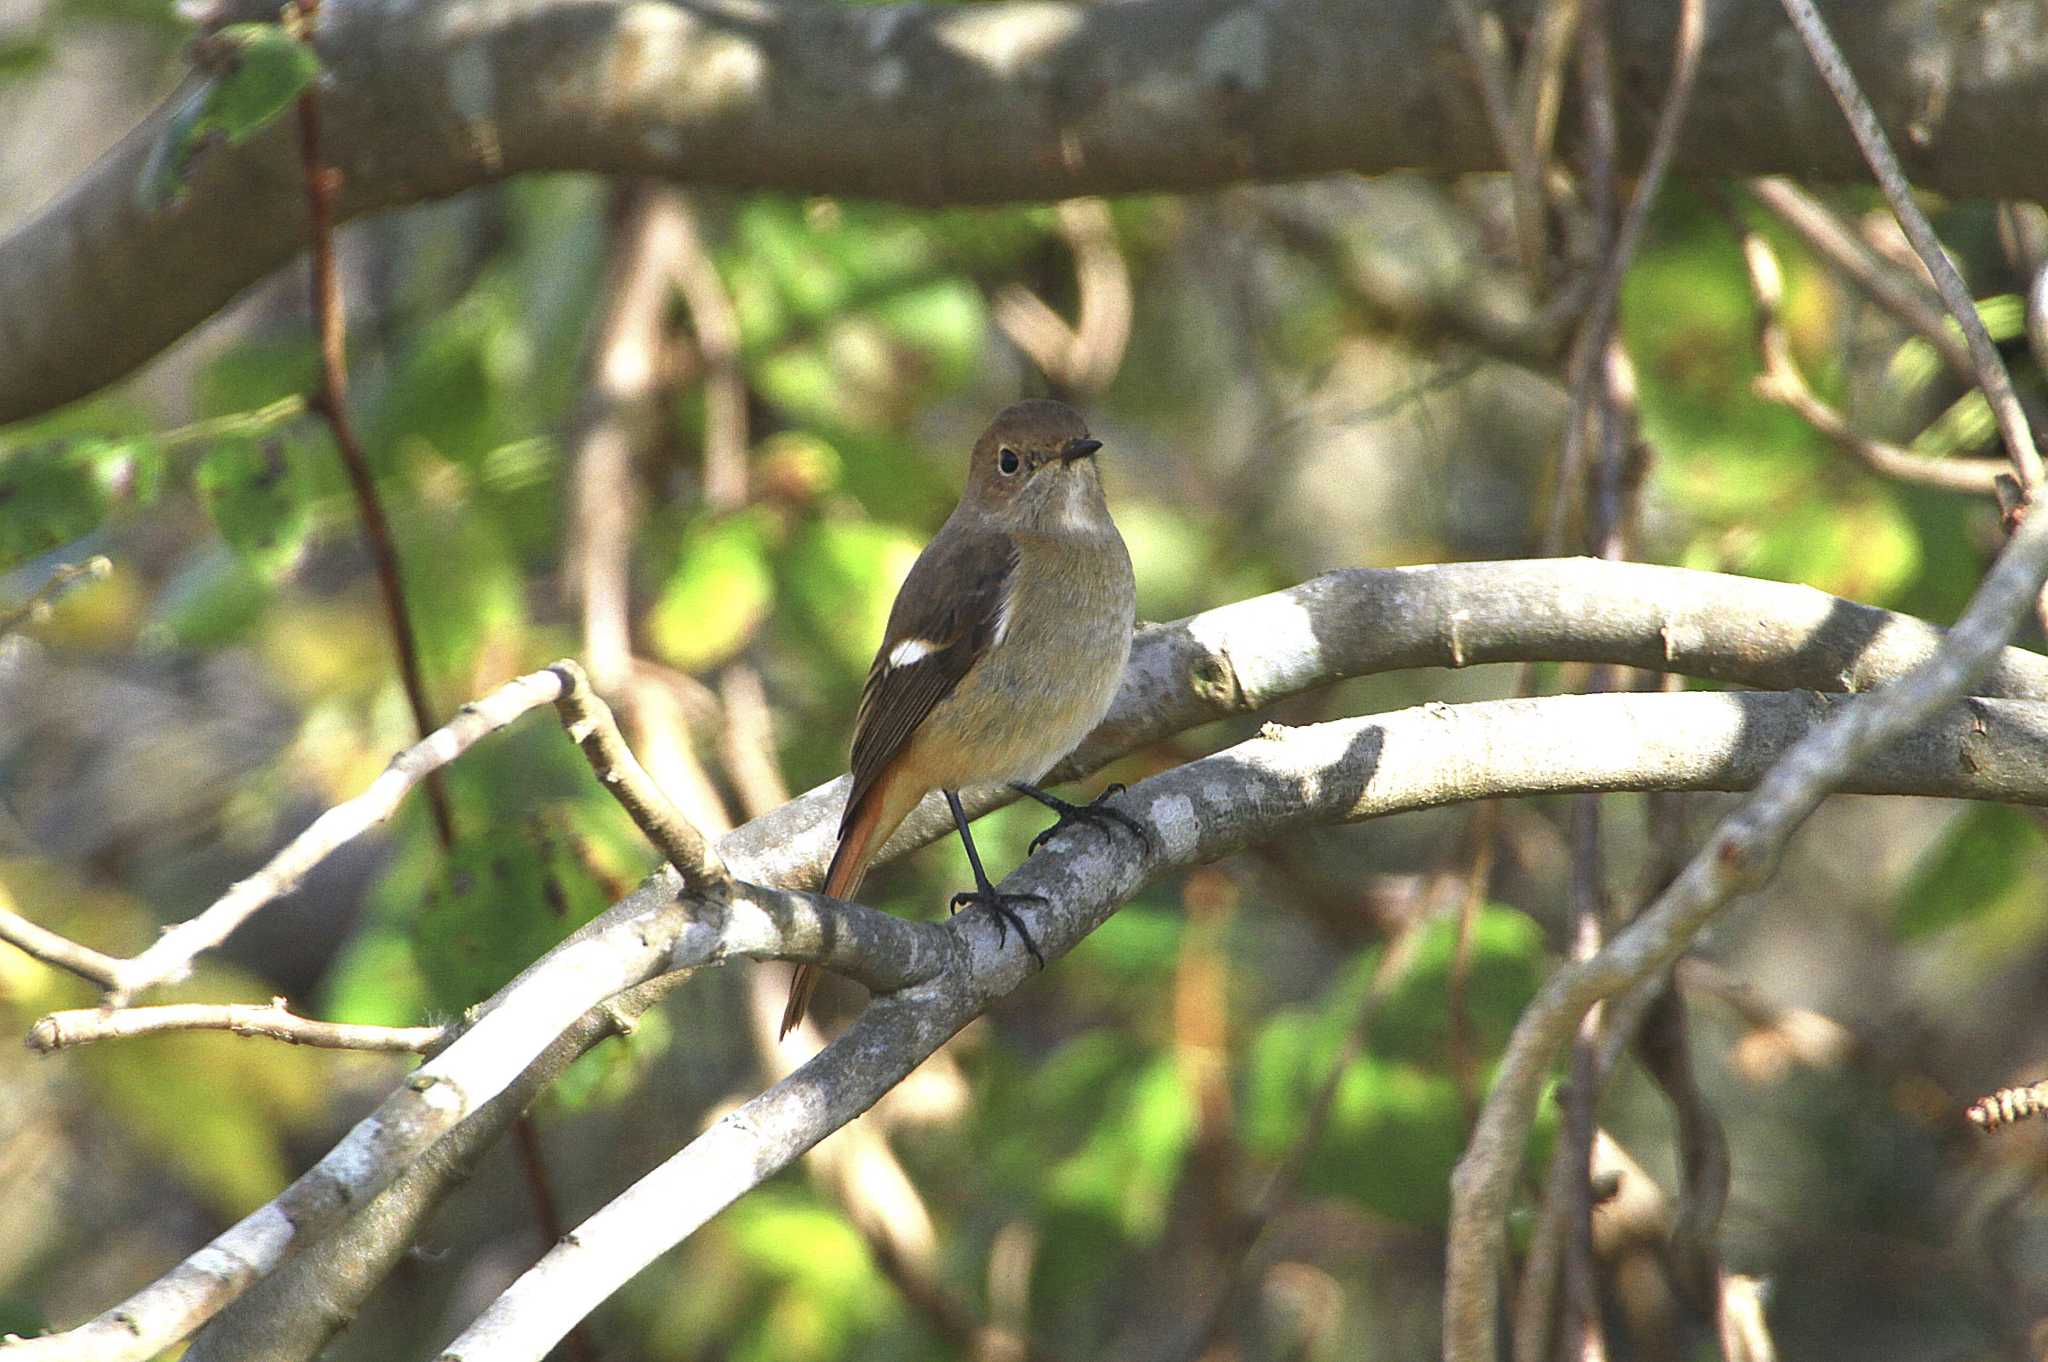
[1003, 617]
[911, 650]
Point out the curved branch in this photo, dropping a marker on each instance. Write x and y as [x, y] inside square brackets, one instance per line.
[1240, 658]
[1278, 782]
[1223, 662]
[1027, 99]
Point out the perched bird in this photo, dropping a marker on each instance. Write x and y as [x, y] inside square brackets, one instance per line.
[1005, 647]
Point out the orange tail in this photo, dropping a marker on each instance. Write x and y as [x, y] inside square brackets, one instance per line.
[860, 837]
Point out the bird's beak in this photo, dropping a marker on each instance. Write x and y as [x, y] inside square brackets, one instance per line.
[1078, 449]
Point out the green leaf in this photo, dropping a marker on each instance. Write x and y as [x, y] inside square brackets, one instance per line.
[258, 493]
[1983, 858]
[265, 69]
[1395, 1126]
[55, 492]
[1914, 364]
[842, 576]
[501, 902]
[719, 593]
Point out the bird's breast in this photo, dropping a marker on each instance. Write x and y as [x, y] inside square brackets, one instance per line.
[1051, 677]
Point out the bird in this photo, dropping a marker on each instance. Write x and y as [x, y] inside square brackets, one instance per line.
[1004, 648]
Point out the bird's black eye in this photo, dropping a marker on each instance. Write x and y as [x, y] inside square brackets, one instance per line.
[1006, 460]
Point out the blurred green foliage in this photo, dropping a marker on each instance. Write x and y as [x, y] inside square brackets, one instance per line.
[868, 352]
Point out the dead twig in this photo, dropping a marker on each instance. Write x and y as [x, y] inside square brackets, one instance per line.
[271, 1020]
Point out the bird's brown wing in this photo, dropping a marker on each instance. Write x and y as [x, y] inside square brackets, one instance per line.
[952, 603]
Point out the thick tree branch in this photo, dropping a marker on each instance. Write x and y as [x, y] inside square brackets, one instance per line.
[944, 974]
[1239, 658]
[1028, 99]
[1234, 660]
[1280, 781]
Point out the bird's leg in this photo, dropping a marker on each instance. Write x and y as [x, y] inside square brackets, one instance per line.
[1096, 811]
[985, 893]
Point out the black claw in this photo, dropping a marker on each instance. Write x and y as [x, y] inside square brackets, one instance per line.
[1096, 811]
[1005, 916]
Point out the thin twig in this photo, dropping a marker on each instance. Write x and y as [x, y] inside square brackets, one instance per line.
[1828, 237]
[1078, 360]
[2008, 1105]
[1745, 1337]
[591, 726]
[170, 956]
[1991, 374]
[1782, 382]
[1539, 88]
[61, 951]
[695, 275]
[249, 423]
[271, 1020]
[1589, 347]
[1480, 34]
[617, 420]
[36, 606]
[331, 402]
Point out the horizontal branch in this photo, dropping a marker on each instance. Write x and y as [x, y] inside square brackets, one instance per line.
[1017, 100]
[1223, 662]
[1279, 781]
[84, 1025]
[1241, 658]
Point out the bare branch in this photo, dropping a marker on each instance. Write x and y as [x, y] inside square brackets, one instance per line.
[591, 726]
[1584, 370]
[330, 332]
[52, 949]
[290, 1315]
[273, 1020]
[172, 954]
[617, 420]
[1899, 294]
[1739, 855]
[1281, 780]
[1065, 99]
[1991, 375]
[695, 275]
[2008, 1105]
[1782, 382]
[1081, 359]
[36, 606]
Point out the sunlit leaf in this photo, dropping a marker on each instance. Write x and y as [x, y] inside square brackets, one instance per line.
[721, 590]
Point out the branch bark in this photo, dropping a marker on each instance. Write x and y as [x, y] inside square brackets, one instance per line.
[1223, 662]
[1027, 99]
[1281, 780]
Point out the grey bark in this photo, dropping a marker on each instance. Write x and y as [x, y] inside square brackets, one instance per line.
[1022, 100]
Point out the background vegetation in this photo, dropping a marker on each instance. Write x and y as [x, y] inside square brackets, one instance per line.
[1295, 389]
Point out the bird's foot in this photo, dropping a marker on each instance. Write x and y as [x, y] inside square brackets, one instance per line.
[1096, 812]
[1000, 907]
